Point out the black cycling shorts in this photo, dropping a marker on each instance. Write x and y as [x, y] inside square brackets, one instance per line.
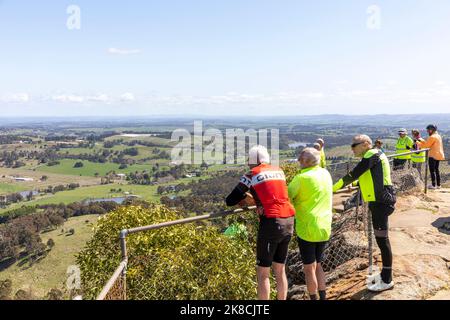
[272, 245]
[380, 213]
[311, 252]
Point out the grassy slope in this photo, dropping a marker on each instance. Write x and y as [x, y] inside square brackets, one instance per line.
[89, 168]
[100, 191]
[50, 272]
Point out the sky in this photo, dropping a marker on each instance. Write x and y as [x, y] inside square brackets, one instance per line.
[215, 58]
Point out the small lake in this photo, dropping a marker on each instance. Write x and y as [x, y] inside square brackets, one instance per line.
[26, 193]
[137, 135]
[118, 200]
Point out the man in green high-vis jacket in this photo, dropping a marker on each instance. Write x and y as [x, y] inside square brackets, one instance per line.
[374, 175]
[404, 144]
[312, 196]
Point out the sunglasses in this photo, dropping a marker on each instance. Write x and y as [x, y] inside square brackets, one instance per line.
[356, 144]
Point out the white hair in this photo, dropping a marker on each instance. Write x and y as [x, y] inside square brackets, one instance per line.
[258, 154]
[310, 157]
[362, 138]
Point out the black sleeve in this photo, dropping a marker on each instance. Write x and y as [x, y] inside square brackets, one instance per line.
[237, 195]
[364, 165]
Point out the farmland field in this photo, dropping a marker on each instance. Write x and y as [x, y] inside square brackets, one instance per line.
[50, 272]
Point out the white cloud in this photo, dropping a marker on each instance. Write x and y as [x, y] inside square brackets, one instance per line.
[127, 97]
[68, 98]
[16, 98]
[124, 51]
[99, 98]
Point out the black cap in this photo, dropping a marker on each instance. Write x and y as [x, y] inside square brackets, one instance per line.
[432, 127]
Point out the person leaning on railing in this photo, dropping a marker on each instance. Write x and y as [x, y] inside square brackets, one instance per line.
[418, 158]
[404, 144]
[323, 157]
[265, 185]
[436, 154]
[374, 175]
[311, 192]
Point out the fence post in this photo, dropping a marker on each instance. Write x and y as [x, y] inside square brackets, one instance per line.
[370, 238]
[426, 170]
[123, 248]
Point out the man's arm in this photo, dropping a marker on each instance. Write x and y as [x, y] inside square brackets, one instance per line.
[239, 193]
[294, 188]
[409, 143]
[426, 144]
[364, 165]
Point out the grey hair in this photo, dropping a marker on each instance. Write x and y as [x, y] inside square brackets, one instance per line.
[310, 156]
[362, 138]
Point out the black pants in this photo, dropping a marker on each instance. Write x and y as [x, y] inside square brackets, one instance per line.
[399, 164]
[434, 172]
[380, 213]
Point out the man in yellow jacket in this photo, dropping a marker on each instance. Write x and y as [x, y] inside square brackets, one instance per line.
[436, 154]
[374, 175]
[404, 144]
[311, 194]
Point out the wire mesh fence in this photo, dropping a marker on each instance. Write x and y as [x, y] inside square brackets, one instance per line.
[350, 248]
[347, 249]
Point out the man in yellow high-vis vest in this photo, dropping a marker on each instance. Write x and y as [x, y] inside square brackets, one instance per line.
[404, 144]
[374, 175]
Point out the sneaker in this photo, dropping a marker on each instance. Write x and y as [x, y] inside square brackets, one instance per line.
[438, 187]
[373, 279]
[431, 187]
[381, 286]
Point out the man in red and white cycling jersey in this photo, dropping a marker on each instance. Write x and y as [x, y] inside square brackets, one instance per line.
[266, 184]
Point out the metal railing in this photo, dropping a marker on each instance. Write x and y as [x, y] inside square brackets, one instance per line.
[116, 287]
[122, 268]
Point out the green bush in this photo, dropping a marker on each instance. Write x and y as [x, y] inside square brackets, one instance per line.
[193, 261]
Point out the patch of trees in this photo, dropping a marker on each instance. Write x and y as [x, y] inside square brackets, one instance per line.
[131, 152]
[207, 195]
[12, 139]
[21, 234]
[146, 178]
[133, 143]
[60, 138]
[96, 137]
[78, 164]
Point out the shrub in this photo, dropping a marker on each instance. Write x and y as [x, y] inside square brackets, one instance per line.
[190, 261]
[78, 164]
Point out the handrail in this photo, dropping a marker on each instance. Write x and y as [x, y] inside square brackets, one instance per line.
[121, 269]
[407, 153]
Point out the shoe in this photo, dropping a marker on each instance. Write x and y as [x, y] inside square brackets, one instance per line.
[373, 279]
[431, 187]
[438, 187]
[381, 286]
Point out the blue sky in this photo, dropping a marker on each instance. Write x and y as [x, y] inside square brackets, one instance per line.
[224, 57]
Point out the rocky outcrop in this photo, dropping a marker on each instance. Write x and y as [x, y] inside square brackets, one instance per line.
[421, 248]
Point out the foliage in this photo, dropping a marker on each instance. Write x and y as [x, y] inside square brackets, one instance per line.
[190, 261]
[290, 171]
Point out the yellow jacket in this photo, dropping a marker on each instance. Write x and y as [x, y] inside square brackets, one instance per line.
[434, 142]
